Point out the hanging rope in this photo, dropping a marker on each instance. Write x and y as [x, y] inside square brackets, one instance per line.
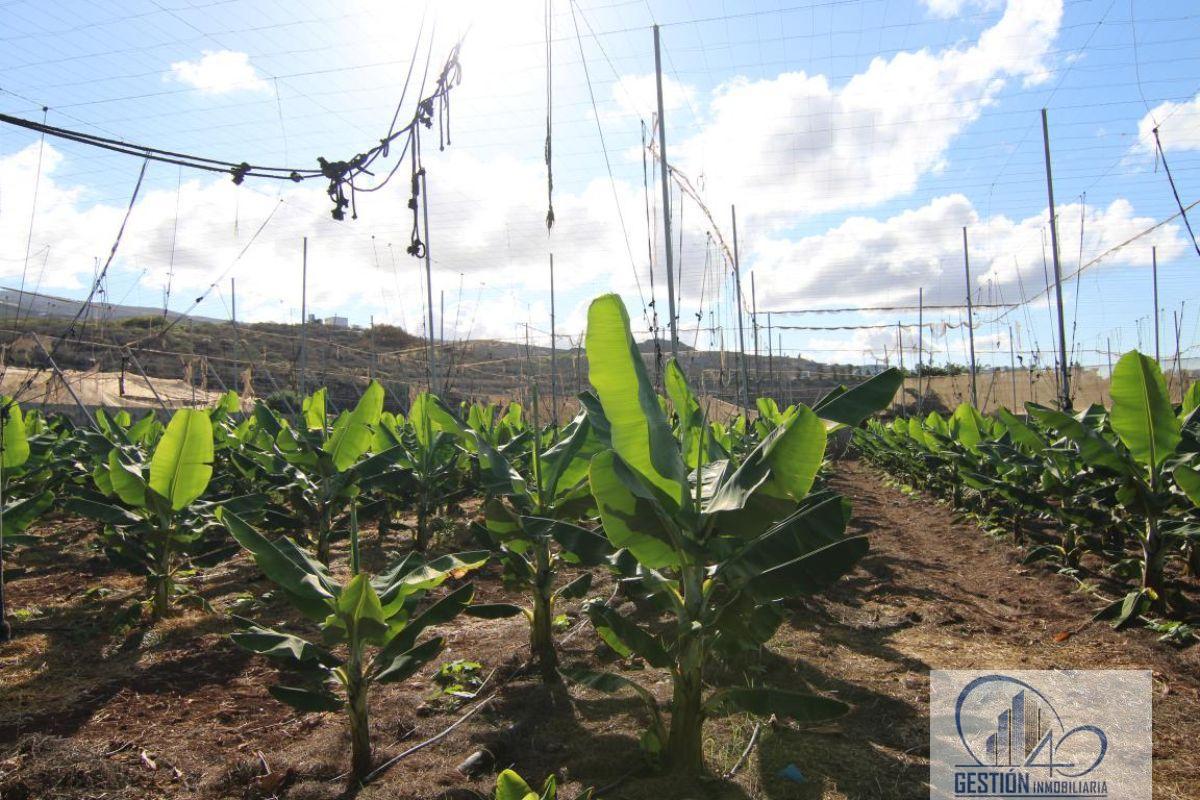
[340, 174]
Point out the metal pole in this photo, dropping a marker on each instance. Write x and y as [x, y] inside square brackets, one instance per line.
[770, 358]
[553, 352]
[304, 318]
[428, 284]
[1012, 367]
[236, 335]
[920, 347]
[1154, 273]
[900, 352]
[146, 378]
[1108, 353]
[754, 330]
[87, 414]
[666, 192]
[737, 299]
[1064, 399]
[970, 317]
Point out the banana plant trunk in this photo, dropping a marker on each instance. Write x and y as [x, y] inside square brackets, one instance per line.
[1153, 556]
[161, 602]
[685, 751]
[323, 536]
[356, 707]
[422, 541]
[685, 740]
[541, 639]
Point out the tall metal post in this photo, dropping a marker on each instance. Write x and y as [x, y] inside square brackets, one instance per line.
[237, 338]
[304, 317]
[1064, 398]
[900, 352]
[1108, 353]
[754, 331]
[666, 192]
[428, 285]
[1012, 367]
[737, 300]
[970, 317]
[1154, 274]
[920, 347]
[553, 352]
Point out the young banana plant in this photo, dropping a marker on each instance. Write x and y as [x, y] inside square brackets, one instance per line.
[717, 546]
[318, 468]
[155, 520]
[527, 518]
[377, 622]
[1140, 461]
[17, 514]
[430, 455]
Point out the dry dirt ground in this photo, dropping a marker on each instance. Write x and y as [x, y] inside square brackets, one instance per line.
[93, 708]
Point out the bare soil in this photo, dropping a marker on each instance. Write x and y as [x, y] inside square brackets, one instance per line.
[94, 704]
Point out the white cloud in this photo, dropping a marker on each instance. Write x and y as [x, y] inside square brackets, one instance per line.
[799, 145]
[219, 72]
[1178, 126]
[865, 261]
[637, 96]
[945, 9]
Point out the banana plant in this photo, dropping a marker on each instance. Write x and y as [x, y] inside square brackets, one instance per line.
[154, 519]
[511, 786]
[17, 514]
[374, 622]
[529, 517]
[717, 547]
[430, 454]
[317, 469]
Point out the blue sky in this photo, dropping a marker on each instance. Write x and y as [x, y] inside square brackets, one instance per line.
[855, 138]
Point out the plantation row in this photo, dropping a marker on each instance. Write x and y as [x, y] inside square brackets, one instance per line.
[711, 525]
[1120, 484]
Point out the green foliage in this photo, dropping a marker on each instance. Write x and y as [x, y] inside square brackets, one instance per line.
[717, 546]
[377, 622]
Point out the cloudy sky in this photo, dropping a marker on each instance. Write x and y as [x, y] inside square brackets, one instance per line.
[856, 139]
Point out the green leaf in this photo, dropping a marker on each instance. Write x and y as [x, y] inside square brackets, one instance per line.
[299, 579]
[403, 666]
[764, 702]
[639, 430]
[101, 512]
[353, 435]
[609, 683]
[510, 786]
[359, 608]
[441, 612]
[1191, 399]
[283, 647]
[1142, 415]
[182, 464]
[576, 588]
[610, 625]
[852, 406]
[398, 584]
[1188, 479]
[20, 514]
[629, 521]
[1093, 448]
[126, 480]
[16, 443]
[811, 572]
[306, 701]
[313, 408]
[580, 545]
